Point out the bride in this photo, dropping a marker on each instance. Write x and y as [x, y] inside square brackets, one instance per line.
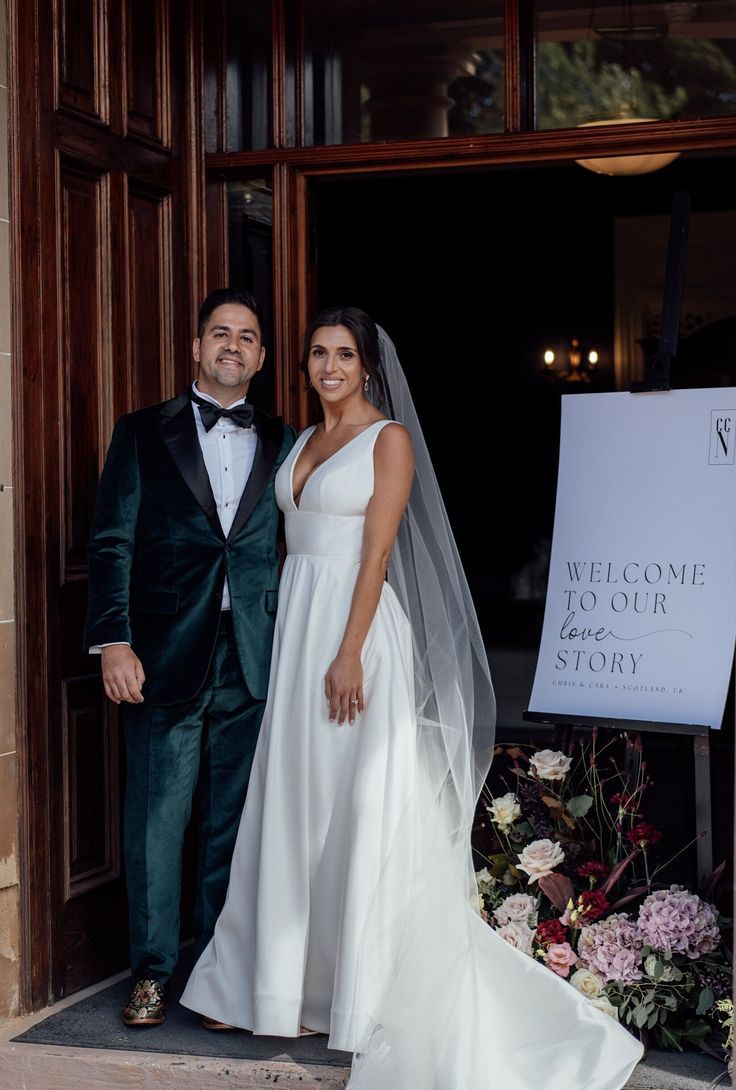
[350, 909]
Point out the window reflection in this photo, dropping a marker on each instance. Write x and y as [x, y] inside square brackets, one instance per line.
[385, 70]
[238, 113]
[664, 61]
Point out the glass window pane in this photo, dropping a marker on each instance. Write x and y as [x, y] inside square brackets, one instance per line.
[604, 61]
[377, 70]
[238, 84]
[250, 264]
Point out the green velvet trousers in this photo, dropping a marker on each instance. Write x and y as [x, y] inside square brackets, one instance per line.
[208, 743]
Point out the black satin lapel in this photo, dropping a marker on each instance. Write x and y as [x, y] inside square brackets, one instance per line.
[269, 444]
[179, 433]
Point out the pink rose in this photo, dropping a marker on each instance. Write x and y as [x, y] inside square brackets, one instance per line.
[560, 957]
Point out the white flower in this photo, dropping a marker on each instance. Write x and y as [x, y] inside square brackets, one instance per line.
[483, 875]
[519, 908]
[588, 983]
[518, 935]
[601, 1003]
[551, 764]
[505, 810]
[540, 858]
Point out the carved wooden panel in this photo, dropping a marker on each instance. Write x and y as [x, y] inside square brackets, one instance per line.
[84, 265]
[147, 62]
[106, 152]
[149, 296]
[81, 37]
[91, 797]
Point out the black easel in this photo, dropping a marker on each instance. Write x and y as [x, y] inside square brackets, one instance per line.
[657, 380]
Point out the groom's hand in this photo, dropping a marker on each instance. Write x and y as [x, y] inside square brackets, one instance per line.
[122, 674]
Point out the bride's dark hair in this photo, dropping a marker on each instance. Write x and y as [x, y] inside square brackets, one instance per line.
[365, 331]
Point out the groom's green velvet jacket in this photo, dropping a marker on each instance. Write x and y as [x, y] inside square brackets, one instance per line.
[158, 556]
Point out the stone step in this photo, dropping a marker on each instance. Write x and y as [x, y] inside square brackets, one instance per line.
[48, 1067]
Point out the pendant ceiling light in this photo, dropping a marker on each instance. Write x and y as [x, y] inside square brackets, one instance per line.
[626, 33]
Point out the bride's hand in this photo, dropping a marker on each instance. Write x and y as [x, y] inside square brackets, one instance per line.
[344, 689]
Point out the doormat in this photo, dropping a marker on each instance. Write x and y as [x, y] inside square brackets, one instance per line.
[95, 1022]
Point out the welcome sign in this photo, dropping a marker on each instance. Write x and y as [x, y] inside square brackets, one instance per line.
[640, 616]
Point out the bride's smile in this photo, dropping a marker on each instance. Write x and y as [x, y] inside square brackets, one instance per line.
[335, 368]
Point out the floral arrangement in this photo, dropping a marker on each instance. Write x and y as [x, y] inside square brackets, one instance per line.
[570, 877]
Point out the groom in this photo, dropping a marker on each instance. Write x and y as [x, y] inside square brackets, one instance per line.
[183, 576]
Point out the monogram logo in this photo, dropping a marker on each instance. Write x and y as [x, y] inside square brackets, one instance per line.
[722, 437]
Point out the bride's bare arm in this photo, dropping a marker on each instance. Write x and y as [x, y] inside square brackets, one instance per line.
[393, 460]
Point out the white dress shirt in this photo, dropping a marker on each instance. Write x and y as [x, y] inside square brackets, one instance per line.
[228, 452]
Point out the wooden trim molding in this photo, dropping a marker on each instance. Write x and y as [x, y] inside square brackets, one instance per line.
[27, 41]
[536, 146]
[519, 65]
[194, 180]
[288, 224]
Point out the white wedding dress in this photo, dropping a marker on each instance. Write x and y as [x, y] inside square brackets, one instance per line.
[345, 911]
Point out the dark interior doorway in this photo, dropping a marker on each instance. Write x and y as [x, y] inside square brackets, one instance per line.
[474, 275]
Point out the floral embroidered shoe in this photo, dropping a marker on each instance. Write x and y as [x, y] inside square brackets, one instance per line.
[146, 1005]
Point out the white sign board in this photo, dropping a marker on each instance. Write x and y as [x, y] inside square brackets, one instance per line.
[640, 614]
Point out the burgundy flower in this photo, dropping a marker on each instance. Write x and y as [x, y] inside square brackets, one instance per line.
[626, 802]
[643, 834]
[593, 870]
[549, 932]
[593, 905]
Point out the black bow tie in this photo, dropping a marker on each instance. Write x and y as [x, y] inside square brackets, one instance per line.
[242, 415]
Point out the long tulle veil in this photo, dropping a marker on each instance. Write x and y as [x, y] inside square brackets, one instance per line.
[456, 707]
[419, 947]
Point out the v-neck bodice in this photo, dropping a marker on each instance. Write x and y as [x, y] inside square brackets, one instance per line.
[331, 511]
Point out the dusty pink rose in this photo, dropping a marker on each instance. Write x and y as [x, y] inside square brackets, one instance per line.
[560, 957]
[517, 934]
[550, 764]
[540, 858]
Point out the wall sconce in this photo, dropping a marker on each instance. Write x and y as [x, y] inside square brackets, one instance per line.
[579, 366]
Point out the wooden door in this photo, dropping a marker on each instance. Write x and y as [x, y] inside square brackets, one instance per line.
[104, 285]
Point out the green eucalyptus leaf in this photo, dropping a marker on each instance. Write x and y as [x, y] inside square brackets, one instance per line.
[580, 805]
[705, 1001]
[669, 1038]
[640, 1016]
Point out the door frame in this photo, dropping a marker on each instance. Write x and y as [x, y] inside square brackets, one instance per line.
[39, 133]
[292, 168]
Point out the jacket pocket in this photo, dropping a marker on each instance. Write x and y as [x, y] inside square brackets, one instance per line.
[155, 601]
[272, 601]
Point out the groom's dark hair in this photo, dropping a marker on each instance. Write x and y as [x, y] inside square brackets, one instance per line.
[365, 331]
[219, 298]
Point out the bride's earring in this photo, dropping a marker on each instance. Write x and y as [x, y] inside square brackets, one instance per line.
[365, 384]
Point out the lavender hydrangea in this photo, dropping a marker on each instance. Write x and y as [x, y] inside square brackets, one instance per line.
[677, 920]
[612, 949]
